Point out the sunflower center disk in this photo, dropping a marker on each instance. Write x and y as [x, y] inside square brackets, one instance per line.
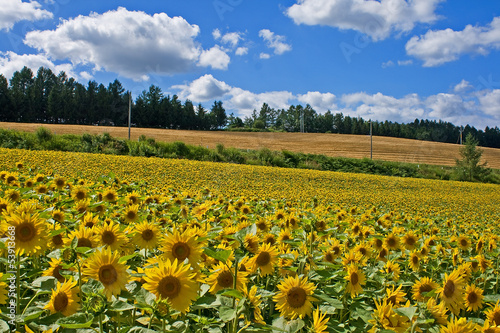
[263, 259]
[225, 279]
[147, 234]
[169, 287]
[425, 288]
[108, 274]
[61, 302]
[496, 318]
[131, 215]
[25, 232]
[296, 297]
[449, 289]
[181, 251]
[472, 298]
[84, 242]
[354, 278]
[108, 237]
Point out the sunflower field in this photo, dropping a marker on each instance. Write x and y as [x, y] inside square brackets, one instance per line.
[100, 243]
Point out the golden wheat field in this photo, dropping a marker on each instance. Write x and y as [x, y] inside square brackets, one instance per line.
[336, 145]
[101, 243]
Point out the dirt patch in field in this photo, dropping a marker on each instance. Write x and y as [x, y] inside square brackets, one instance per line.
[344, 145]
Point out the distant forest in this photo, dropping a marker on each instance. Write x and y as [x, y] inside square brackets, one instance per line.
[50, 98]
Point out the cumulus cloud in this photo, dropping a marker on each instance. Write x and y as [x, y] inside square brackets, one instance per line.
[377, 19]
[388, 63]
[441, 46]
[275, 42]
[207, 88]
[321, 102]
[215, 58]
[216, 34]
[489, 102]
[130, 43]
[203, 89]
[241, 51]
[11, 62]
[231, 38]
[462, 86]
[263, 55]
[382, 107]
[15, 10]
[478, 108]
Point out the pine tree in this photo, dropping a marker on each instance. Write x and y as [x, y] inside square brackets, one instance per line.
[469, 167]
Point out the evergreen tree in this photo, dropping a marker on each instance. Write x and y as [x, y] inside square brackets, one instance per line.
[469, 167]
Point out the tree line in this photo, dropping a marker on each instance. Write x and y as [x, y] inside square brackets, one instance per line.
[50, 98]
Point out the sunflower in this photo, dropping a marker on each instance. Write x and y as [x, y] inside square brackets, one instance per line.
[30, 232]
[3, 290]
[64, 299]
[79, 193]
[109, 195]
[395, 296]
[89, 220]
[385, 318]
[182, 246]
[392, 269]
[54, 270]
[410, 240]
[222, 277]
[493, 314]
[85, 236]
[437, 311]
[463, 242]
[356, 278]
[81, 206]
[382, 254]
[392, 242]
[12, 195]
[414, 261]
[452, 292]
[421, 287]
[42, 189]
[251, 243]
[255, 302]
[146, 235]
[473, 298]
[174, 282]
[319, 321]
[58, 215]
[295, 297]
[488, 328]
[130, 213]
[458, 325]
[133, 198]
[284, 235]
[263, 225]
[362, 248]
[353, 257]
[109, 235]
[104, 266]
[59, 182]
[265, 259]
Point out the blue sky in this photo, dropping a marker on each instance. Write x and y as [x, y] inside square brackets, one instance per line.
[386, 60]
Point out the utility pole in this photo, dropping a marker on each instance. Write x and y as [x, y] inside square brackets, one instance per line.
[371, 140]
[129, 112]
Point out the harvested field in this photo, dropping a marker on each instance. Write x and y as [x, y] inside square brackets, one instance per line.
[343, 145]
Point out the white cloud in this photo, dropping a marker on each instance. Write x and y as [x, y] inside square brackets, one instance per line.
[445, 106]
[207, 88]
[15, 10]
[476, 108]
[11, 62]
[377, 19]
[241, 51]
[462, 86]
[275, 42]
[216, 34]
[321, 102]
[231, 38]
[215, 58]
[264, 55]
[438, 47]
[405, 62]
[388, 63]
[203, 89]
[382, 107]
[130, 43]
[489, 102]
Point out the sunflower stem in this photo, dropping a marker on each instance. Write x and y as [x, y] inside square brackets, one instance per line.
[235, 321]
[100, 323]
